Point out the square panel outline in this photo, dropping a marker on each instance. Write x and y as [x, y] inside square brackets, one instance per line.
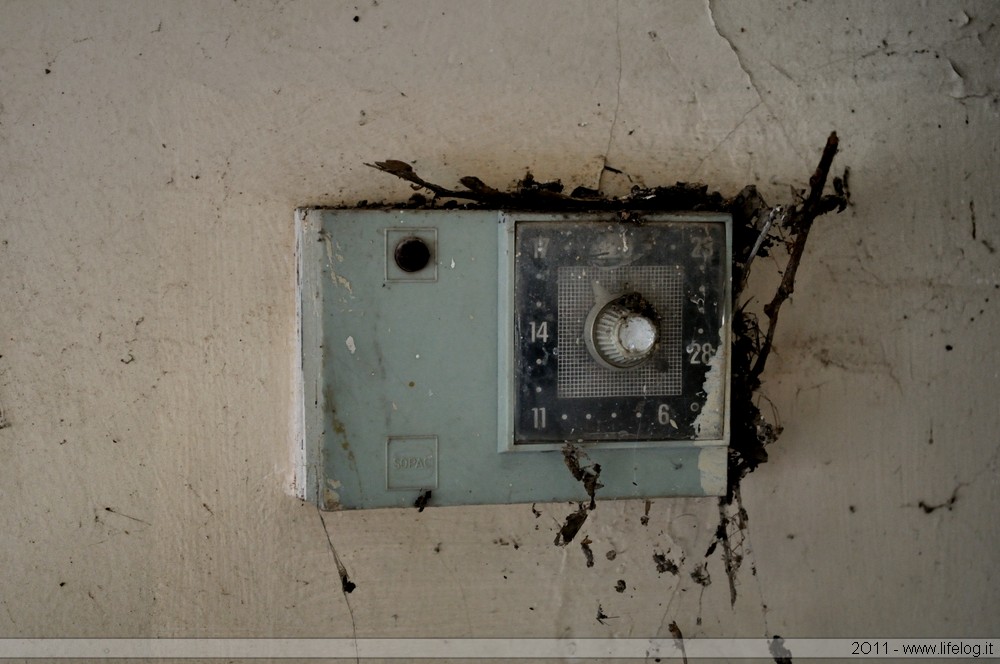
[388, 443]
[508, 223]
[316, 226]
[395, 274]
[578, 375]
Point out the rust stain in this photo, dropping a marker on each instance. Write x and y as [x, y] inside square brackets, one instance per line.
[331, 501]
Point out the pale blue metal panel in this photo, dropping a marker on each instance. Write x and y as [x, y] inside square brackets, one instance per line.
[407, 375]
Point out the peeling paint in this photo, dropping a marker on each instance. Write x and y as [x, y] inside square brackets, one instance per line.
[350, 344]
[330, 257]
[712, 468]
[709, 421]
[331, 500]
[956, 82]
[341, 281]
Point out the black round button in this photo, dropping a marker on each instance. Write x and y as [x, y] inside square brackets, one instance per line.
[412, 254]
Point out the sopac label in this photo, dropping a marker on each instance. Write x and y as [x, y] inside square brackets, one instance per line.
[411, 463]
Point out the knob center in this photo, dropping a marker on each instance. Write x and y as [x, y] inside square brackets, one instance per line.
[637, 334]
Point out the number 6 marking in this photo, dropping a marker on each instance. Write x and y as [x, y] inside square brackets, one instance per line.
[663, 415]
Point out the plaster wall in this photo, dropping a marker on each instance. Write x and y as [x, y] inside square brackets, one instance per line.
[151, 157]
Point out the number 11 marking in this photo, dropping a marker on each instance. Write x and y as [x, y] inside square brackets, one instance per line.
[539, 415]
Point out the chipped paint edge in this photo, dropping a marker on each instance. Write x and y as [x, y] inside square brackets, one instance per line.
[713, 464]
[713, 461]
[296, 424]
[305, 426]
[714, 387]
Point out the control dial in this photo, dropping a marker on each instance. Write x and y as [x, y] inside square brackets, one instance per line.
[621, 331]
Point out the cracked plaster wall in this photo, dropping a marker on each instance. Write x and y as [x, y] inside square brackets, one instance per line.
[152, 154]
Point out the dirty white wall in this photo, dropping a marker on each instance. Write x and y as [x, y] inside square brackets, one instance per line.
[151, 156]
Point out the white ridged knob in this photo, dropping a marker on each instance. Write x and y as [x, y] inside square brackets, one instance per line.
[621, 332]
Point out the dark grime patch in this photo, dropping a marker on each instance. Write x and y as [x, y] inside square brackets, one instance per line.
[779, 652]
[587, 551]
[587, 474]
[421, 502]
[571, 526]
[664, 564]
[700, 575]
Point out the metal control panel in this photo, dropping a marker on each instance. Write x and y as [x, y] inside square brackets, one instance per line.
[450, 356]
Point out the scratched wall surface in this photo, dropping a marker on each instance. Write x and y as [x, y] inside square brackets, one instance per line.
[152, 156]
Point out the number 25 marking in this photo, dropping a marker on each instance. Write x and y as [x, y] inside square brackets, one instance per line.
[702, 247]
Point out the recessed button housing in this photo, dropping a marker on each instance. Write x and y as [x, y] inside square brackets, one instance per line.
[412, 254]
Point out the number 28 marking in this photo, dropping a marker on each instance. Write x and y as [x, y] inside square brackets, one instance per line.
[700, 353]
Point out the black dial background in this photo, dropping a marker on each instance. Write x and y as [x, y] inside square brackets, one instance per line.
[698, 248]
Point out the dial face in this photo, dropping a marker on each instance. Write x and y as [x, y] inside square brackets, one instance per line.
[617, 326]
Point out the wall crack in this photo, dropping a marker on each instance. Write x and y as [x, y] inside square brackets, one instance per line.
[742, 121]
[751, 78]
[618, 95]
[736, 51]
[346, 585]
